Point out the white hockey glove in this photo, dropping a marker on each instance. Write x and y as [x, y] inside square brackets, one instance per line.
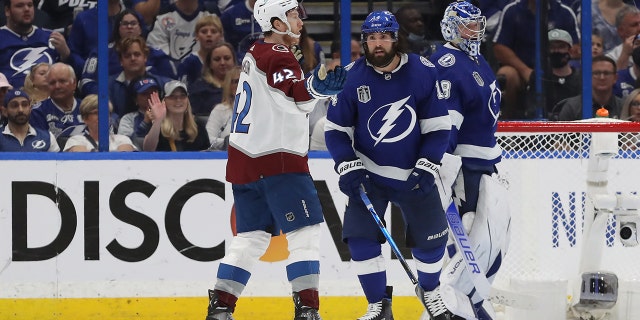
[322, 84]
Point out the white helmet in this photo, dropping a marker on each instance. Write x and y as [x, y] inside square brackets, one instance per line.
[457, 17]
[265, 10]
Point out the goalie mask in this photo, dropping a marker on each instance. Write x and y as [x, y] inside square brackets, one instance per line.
[264, 11]
[382, 22]
[463, 25]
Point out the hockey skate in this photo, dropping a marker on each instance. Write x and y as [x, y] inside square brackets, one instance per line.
[216, 311]
[432, 302]
[303, 312]
[380, 310]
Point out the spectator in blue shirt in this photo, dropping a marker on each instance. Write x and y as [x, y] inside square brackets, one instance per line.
[18, 134]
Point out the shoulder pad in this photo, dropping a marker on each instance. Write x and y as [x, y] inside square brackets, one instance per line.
[349, 66]
[447, 60]
[426, 62]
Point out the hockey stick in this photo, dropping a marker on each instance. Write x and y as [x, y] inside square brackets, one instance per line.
[386, 234]
[477, 275]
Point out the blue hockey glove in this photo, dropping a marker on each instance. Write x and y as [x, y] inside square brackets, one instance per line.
[352, 175]
[422, 178]
[322, 84]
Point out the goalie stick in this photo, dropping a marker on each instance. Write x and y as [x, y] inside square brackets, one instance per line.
[480, 281]
[386, 234]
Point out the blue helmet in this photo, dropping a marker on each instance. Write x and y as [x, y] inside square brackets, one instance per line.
[463, 25]
[380, 21]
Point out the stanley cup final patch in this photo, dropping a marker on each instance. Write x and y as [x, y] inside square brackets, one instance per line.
[364, 94]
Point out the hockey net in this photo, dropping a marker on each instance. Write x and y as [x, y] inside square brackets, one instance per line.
[545, 164]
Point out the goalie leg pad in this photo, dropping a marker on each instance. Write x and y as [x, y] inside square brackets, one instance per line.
[489, 234]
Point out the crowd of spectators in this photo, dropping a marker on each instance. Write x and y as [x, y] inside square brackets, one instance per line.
[48, 53]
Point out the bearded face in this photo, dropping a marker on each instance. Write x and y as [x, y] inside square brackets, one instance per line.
[380, 49]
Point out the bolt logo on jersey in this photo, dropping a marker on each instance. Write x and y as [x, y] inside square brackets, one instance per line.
[392, 122]
[24, 59]
[494, 102]
[39, 144]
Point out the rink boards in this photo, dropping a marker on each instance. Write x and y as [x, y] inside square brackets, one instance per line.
[136, 237]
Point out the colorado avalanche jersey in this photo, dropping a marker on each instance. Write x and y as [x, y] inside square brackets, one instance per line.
[47, 115]
[19, 53]
[473, 96]
[269, 125]
[173, 33]
[389, 119]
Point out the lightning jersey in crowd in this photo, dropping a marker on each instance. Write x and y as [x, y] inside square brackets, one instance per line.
[37, 140]
[47, 115]
[393, 118]
[173, 33]
[269, 125]
[63, 12]
[19, 53]
[471, 88]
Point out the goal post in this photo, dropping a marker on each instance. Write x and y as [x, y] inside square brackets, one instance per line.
[546, 166]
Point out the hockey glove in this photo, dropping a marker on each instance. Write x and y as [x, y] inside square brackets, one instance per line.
[322, 84]
[422, 178]
[352, 175]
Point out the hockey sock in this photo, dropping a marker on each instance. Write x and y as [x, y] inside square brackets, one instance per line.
[429, 264]
[309, 298]
[227, 299]
[367, 257]
[303, 270]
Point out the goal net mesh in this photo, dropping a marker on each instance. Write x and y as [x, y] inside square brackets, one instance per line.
[545, 164]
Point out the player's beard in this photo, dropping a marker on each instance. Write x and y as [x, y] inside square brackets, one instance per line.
[19, 119]
[380, 61]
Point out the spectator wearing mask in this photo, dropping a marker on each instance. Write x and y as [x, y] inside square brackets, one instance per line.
[563, 81]
[628, 78]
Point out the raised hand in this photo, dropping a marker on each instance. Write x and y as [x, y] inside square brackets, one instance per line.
[157, 107]
[323, 84]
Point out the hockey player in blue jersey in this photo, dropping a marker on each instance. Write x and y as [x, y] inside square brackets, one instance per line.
[474, 105]
[387, 131]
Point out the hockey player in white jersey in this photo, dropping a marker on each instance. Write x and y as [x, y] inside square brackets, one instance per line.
[388, 130]
[470, 87]
[267, 163]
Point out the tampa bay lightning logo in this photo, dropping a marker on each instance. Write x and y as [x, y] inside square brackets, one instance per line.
[494, 101]
[38, 144]
[392, 122]
[24, 59]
